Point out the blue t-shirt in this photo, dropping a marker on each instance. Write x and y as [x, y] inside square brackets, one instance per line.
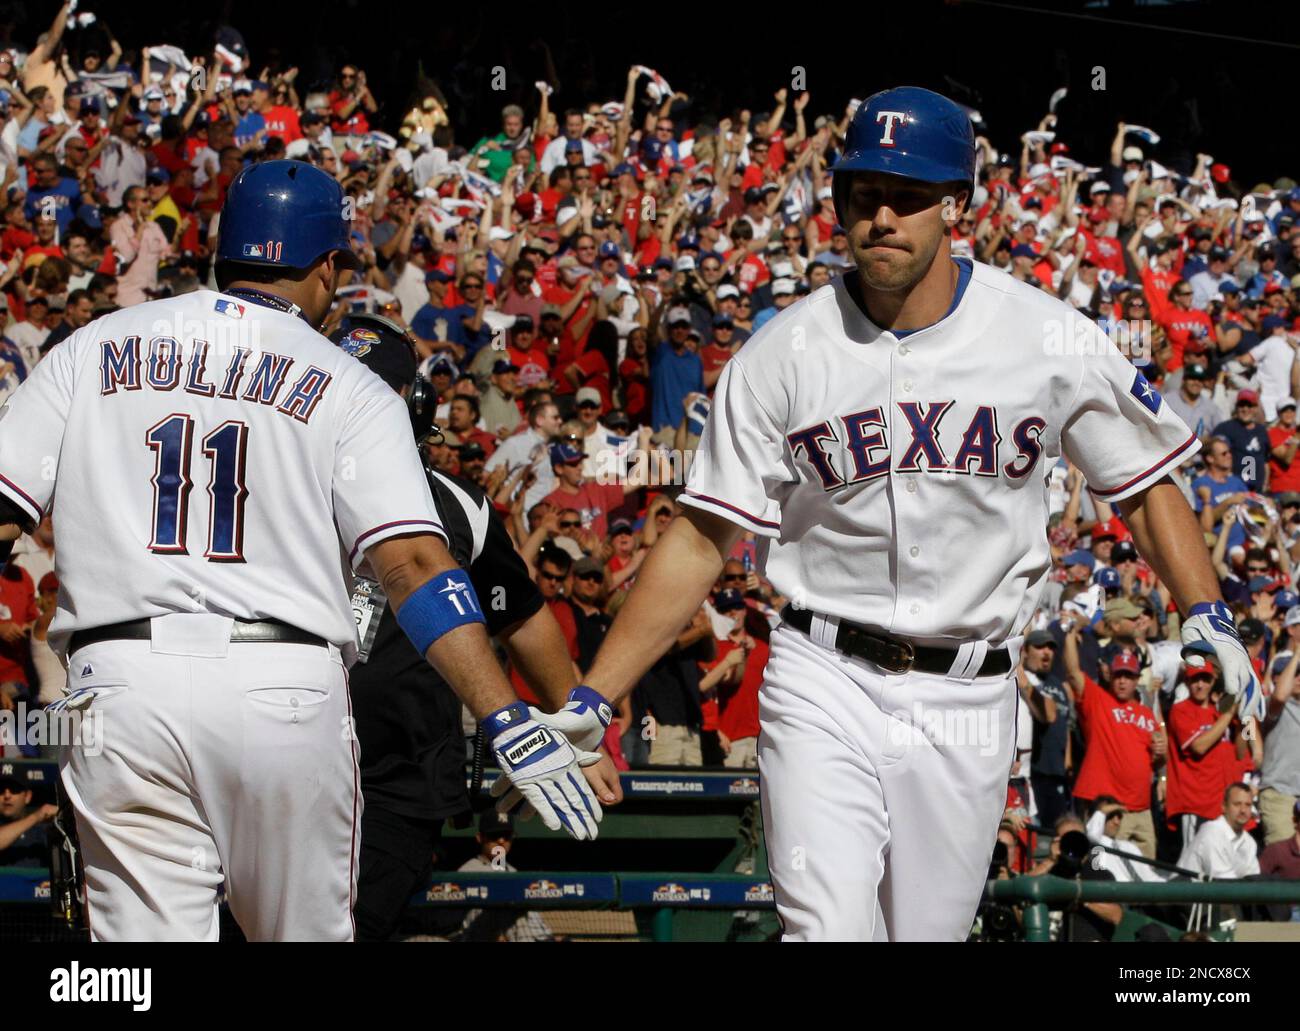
[1219, 491]
[672, 377]
[425, 326]
[247, 127]
[1250, 451]
[67, 199]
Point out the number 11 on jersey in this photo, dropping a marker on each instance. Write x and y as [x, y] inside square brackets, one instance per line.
[226, 449]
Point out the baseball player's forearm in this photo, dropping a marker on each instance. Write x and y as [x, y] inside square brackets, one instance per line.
[538, 651]
[673, 580]
[1169, 537]
[462, 655]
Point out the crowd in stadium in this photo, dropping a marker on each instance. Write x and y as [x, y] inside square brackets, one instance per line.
[576, 276]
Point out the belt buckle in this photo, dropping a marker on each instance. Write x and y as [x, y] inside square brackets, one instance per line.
[899, 655]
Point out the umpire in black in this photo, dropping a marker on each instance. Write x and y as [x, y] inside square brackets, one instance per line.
[408, 720]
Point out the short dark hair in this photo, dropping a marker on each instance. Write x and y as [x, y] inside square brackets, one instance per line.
[228, 272]
[535, 411]
[76, 297]
[557, 557]
[470, 400]
[1236, 786]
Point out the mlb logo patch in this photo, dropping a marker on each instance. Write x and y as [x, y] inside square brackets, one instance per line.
[1146, 394]
[254, 250]
[232, 308]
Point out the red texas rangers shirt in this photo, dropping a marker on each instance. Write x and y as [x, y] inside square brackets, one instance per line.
[1118, 757]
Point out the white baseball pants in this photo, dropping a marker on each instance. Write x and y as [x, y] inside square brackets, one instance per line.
[220, 763]
[881, 793]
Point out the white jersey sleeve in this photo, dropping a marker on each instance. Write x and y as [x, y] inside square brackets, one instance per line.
[376, 499]
[36, 416]
[1119, 431]
[740, 471]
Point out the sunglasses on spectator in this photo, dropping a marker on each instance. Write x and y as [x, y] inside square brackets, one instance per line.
[471, 286]
[727, 577]
[594, 578]
[1257, 569]
[570, 524]
[581, 178]
[1183, 293]
[588, 404]
[549, 576]
[524, 280]
[791, 239]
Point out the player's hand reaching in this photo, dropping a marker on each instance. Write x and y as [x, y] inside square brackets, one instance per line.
[544, 769]
[1211, 622]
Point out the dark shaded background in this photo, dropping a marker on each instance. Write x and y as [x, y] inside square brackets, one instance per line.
[1179, 70]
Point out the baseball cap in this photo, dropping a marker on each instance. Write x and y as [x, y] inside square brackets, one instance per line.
[550, 311]
[609, 249]
[1125, 662]
[684, 263]
[754, 195]
[1272, 322]
[442, 367]
[469, 452]
[1286, 600]
[1250, 630]
[522, 324]
[729, 600]
[158, 175]
[154, 93]
[494, 824]
[1123, 552]
[380, 345]
[1287, 498]
[1261, 583]
[1199, 654]
[619, 527]
[1023, 250]
[1247, 397]
[782, 287]
[1229, 287]
[1195, 370]
[1079, 557]
[617, 419]
[565, 454]
[502, 366]
[678, 315]
[1218, 253]
[1121, 608]
[1109, 530]
[587, 566]
[1132, 154]
[1040, 639]
[1107, 578]
[1286, 402]
[727, 290]
[436, 275]
[723, 319]
[49, 583]
[241, 86]
[588, 396]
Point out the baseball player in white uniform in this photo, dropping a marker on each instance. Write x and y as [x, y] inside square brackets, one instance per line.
[890, 437]
[217, 466]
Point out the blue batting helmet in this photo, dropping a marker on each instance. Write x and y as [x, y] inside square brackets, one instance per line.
[911, 132]
[285, 213]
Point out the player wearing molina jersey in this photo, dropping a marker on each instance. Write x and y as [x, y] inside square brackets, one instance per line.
[218, 464]
[889, 437]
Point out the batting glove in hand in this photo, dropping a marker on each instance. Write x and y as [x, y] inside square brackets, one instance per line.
[1211, 622]
[545, 769]
[583, 721]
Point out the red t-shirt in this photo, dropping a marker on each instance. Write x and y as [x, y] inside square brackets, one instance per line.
[1156, 284]
[571, 345]
[17, 605]
[356, 124]
[636, 391]
[738, 717]
[714, 357]
[593, 502]
[1118, 757]
[1183, 327]
[282, 121]
[1196, 782]
[487, 441]
[594, 372]
[1281, 480]
[534, 364]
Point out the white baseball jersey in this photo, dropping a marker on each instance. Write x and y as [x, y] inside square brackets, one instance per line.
[210, 454]
[902, 478]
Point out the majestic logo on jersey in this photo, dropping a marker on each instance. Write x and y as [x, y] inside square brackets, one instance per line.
[855, 448]
[359, 342]
[232, 308]
[88, 670]
[1146, 394]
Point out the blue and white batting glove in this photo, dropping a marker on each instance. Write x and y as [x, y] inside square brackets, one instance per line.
[1212, 623]
[582, 720]
[545, 769]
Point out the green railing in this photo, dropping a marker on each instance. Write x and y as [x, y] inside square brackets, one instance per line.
[1040, 894]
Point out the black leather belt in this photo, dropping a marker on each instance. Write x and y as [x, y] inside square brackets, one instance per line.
[264, 631]
[892, 653]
